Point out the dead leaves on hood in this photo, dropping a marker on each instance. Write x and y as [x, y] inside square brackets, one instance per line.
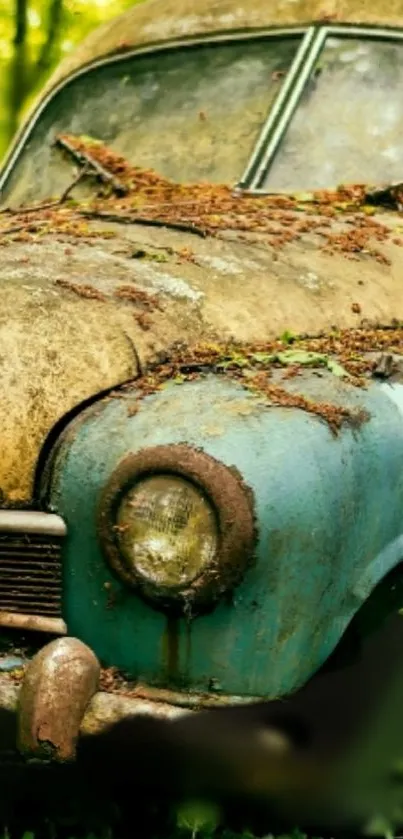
[341, 220]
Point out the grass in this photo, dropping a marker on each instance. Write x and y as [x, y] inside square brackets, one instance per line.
[189, 831]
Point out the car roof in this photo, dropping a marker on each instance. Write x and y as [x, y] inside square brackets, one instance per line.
[160, 21]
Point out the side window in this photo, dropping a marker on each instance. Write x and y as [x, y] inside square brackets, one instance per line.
[192, 114]
[348, 125]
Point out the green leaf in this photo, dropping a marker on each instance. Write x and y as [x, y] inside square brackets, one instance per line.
[311, 359]
[263, 357]
[379, 826]
[234, 360]
[197, 816]
[302, 357]
[288, 337]
[85, 138]
[368, 209]
[304, 197]
[336, 368]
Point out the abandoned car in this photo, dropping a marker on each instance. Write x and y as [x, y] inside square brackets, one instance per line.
[201, 476]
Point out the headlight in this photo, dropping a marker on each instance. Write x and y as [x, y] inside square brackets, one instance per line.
[167, 531]
[177, 525]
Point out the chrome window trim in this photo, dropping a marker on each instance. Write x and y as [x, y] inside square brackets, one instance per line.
[286, 90]
[17, 146]
[277, 132]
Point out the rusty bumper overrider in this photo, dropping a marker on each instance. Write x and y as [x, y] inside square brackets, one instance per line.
[59, 698]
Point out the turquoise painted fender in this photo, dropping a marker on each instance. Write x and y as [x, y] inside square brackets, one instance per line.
[329, 527]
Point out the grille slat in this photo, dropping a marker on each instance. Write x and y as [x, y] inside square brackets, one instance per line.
[30, 573]
[8, 572]
[31, 607]
[21, 590]
[27, 550]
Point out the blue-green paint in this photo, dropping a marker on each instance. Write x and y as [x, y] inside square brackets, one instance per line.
[329, 517]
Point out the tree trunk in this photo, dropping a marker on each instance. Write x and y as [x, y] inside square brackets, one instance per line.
[45, 59]
[18, 66]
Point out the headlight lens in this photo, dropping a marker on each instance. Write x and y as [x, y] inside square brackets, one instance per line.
[167, 531]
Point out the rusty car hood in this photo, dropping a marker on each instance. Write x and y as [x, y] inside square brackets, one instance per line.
[89, 298]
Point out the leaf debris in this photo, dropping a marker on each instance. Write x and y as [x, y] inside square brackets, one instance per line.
[345, 353]
[341, 219]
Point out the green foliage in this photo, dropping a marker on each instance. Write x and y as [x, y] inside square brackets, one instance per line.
[34, 36]
[288, 337]
[181, 832]
[197, 818]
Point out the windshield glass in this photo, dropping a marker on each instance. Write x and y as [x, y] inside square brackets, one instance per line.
[348, 125]
[192, 114]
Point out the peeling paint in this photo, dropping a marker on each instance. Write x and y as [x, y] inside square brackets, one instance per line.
[310, 280]
[223, 266]
[168, 284]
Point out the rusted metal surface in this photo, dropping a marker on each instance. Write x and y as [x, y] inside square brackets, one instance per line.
[58, 684]
[103, 709]
[100, 711]
[106, 708]
[181, 699]
[231, 501]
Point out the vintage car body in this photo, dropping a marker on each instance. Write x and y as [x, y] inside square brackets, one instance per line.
[301, 481]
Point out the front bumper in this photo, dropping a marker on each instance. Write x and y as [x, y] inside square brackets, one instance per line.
[55, 697]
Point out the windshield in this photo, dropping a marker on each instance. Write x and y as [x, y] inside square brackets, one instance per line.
[348, 125]
[193, 114]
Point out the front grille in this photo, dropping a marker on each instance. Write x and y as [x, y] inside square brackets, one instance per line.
[30, 574]
[31, 569]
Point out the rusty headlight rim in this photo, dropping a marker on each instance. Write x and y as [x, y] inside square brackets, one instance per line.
[231, 500]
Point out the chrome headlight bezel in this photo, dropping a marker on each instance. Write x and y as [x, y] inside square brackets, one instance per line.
[231, 501]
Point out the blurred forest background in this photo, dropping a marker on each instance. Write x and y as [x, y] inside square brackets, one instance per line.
[34, 36]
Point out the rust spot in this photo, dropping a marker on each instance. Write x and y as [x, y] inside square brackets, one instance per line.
[188, 648]
[170, 643]
[114, 682]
